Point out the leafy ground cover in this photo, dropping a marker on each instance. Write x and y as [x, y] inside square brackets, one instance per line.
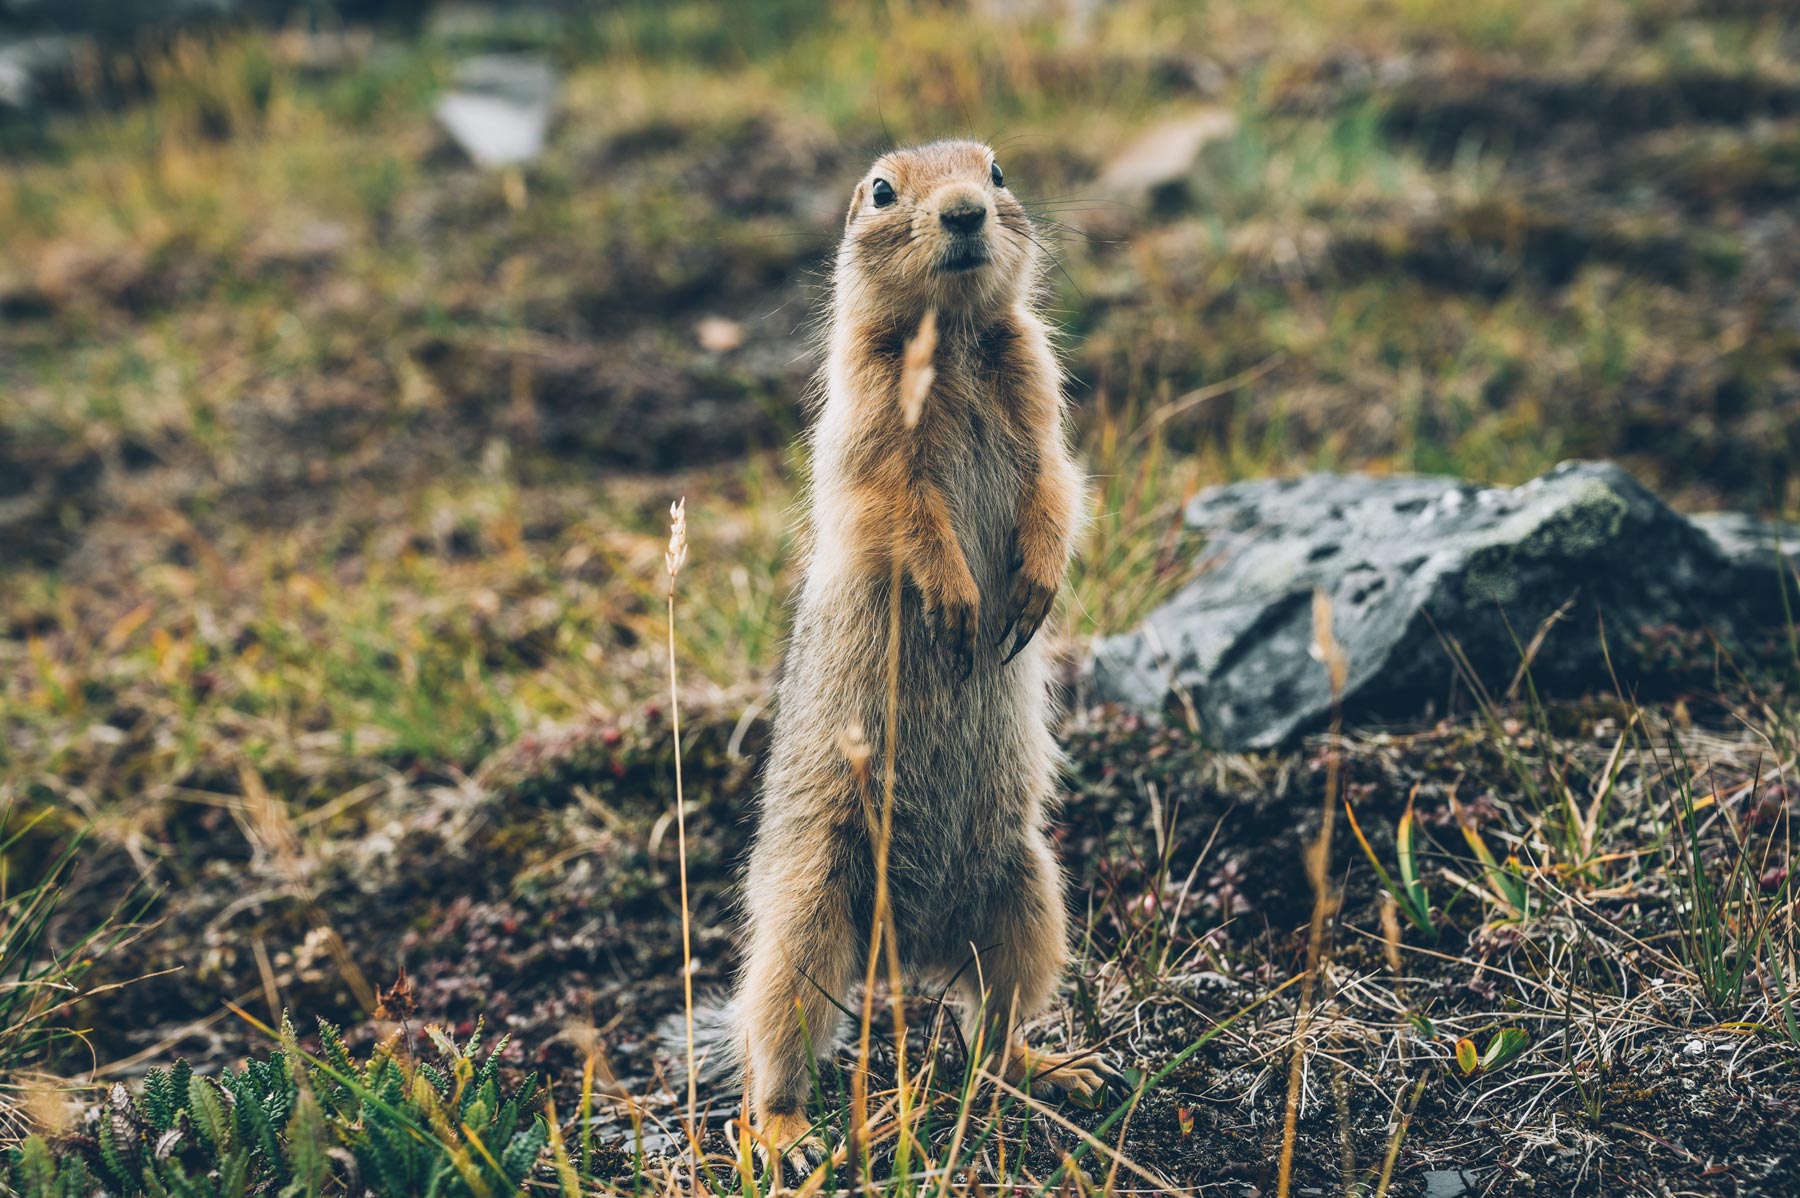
[333, 488]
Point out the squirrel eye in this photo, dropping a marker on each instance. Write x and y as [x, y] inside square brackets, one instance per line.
[883, 193]
[996, 174]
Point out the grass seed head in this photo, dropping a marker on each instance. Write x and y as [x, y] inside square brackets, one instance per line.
[853, 743]
[916, 370]
[676, 557]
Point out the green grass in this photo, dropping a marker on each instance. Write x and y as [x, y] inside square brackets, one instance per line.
[44, 965]
[151, 235]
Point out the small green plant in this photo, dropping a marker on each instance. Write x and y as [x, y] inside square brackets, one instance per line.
[1506, 883]
[1410, 894]
[1724, 921]
[1504, 1047]
[1784, 978]
[1570, 833]
[289, 1127]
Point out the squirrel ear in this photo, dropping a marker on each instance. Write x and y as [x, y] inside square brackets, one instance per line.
[856, 202]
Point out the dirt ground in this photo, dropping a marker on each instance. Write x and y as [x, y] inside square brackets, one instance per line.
[539, 896]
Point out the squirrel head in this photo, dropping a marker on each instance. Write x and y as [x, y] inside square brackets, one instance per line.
[935, 227]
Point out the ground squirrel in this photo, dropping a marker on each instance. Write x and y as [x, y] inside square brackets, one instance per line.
[982, 501]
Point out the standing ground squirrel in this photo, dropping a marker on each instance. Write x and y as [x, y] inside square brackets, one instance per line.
[982, 501]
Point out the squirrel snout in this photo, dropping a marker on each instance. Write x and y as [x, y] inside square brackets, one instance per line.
[963, 211]
[963, 220]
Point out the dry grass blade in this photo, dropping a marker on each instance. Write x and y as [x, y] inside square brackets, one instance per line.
[270, 831]
[1318, 860]
[1195, 398]
[673, 560]
[1115, 1157]
[916, 376]
[1399, 1137]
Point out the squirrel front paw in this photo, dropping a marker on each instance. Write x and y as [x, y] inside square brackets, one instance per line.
[952, 614]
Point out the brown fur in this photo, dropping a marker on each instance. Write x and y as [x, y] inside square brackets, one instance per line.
[981, 500]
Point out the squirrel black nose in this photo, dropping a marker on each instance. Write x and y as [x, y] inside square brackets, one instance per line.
[964, 217]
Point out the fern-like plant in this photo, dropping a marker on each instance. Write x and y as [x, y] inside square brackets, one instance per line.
[295, 1126]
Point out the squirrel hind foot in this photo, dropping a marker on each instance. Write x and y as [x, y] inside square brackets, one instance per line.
[784, 1142]
[1079, 1075]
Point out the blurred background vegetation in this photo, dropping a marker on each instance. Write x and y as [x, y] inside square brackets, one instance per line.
[329, 455]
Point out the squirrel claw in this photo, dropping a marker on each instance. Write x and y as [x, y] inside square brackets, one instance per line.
[799, 1158]
[1029, 608]
[1000, 641]
[954, 628]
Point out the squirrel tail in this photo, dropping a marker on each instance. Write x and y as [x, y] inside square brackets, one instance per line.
[718, 1040]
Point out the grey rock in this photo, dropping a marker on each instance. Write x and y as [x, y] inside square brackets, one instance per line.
[1750, 542]
[500, 107]
[26, 62]
[1155, 172]
[1412, 565]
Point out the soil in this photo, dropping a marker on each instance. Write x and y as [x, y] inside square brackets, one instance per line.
[531, 897]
